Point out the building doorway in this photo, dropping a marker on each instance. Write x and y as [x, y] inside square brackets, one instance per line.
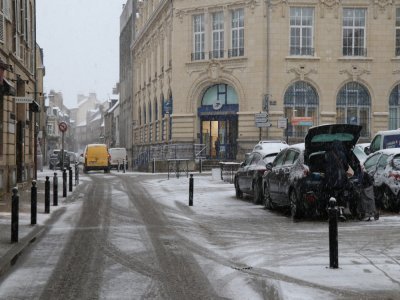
[219, 135]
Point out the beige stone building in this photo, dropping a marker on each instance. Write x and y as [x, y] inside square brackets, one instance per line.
[204, 69]
[21, 92]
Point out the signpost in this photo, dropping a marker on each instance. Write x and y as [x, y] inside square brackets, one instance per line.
[62, 126]
[261, 121]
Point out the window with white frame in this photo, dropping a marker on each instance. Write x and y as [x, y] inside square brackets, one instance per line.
[397, 31]
[199, 37]
[301, 31]
[217, 35]
[237, 33]
[354, 36]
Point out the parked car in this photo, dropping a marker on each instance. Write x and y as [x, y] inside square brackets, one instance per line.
[294, 179]
[56, 158]
[383, 140]
[118, 157]
[358, 150]
[96, 158]
[248, 178]
[384, 166]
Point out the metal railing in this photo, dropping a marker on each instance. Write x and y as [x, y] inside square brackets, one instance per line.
[170, 151]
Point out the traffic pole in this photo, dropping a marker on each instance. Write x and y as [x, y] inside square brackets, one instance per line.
[64, 182]
[70, 178]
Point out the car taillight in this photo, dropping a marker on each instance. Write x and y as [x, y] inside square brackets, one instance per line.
[395, 175]
[310, 197]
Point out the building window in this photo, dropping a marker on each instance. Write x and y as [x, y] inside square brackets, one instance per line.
[301, 108]
[237, 33]
[217, 35]
[353, 105]
[354, 32]
[50, 129]
[301, 31]
[198, 38]
[398, 31]
[394, 108]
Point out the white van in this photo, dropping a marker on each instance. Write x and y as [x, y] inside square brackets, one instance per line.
[118, 156]
[384, 140]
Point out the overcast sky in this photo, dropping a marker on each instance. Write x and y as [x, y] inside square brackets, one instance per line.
[80, 41]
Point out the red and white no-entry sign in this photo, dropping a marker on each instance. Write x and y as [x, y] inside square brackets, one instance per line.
[62, 126]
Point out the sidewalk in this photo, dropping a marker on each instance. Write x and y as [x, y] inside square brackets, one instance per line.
[27, 233]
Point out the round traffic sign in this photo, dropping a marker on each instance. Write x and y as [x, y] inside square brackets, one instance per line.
[62, 126]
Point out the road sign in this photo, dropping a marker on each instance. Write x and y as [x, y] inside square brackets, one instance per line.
[282, 123]
[62, 126]
[261, 120]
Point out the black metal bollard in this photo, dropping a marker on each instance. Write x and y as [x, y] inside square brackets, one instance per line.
[33, 203]
[333, 235]
[191, 190]
[118, 166]
[124, 162]
[14, 215]
[70, 178]
[76, 174]
[201, 165]
[55, 190]
[47, 195]
[64, 182]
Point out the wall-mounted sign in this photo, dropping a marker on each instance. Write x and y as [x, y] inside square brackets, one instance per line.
[302, 121]
[23, 100]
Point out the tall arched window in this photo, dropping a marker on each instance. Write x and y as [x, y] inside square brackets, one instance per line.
[394, 108]
[144, 114]
[301, 108]
[353, 104]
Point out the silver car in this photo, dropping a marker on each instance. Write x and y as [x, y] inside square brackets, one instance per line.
[384, 166]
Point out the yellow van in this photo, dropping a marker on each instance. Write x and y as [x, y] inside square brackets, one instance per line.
[96, 157]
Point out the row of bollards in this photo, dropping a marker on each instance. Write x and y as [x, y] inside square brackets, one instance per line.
[15, 199]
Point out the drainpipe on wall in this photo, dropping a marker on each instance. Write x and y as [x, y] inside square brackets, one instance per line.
[268, 54]
[35, 128]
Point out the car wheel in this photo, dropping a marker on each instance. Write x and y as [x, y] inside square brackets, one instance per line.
[296, 211]
[258, 195]
[267, 199]
[387, 199]
[239, 193]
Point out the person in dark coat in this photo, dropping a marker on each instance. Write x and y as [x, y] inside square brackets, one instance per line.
[217, 147]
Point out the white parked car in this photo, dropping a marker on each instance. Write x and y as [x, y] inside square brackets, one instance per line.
[384, 166]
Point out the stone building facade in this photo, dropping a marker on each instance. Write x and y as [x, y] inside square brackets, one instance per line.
[19, 119]
[204, 69]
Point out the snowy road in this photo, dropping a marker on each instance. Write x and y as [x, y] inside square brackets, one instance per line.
[133, 236]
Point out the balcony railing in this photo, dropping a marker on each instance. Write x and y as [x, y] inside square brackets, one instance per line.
[216, 54]
[236, 52]
[356, 51]
[302, 51]
[198, 56]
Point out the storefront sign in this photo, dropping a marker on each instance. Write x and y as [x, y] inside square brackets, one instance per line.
[302, 121]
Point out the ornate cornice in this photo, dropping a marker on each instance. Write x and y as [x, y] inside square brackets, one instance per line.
[355, 72]
[302, 71]
[382, 5]
[330, 4]
[279, 3]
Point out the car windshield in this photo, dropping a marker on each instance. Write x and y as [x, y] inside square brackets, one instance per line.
[391, 141]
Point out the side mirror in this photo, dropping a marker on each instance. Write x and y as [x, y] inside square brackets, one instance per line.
[269, 166]
[367, 150]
